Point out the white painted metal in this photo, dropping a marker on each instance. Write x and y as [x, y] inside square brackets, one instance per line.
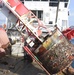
[49, 12]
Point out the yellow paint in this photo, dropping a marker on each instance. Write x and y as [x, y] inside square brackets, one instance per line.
[47, 43]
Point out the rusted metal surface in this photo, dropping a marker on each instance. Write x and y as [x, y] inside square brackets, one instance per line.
[55, 52]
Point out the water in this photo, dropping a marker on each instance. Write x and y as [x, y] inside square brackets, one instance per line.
[72, 41]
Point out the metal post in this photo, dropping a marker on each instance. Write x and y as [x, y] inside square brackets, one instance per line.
[57, 12]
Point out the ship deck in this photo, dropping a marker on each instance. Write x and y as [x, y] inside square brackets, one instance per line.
[15, 64]
[10, 65]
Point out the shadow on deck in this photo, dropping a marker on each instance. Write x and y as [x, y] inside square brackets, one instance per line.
[18, 66]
